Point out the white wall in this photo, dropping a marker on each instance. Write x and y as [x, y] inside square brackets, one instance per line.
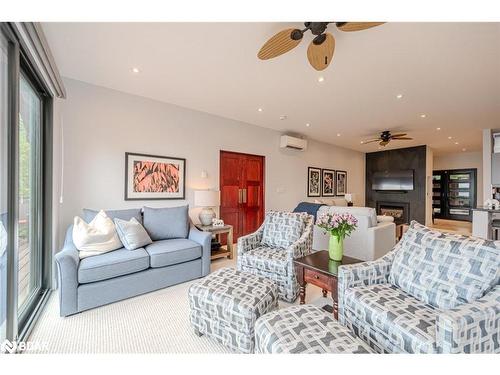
[463, 160]
[100, 125]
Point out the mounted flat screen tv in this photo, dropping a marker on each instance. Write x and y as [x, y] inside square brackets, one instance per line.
[393, 180]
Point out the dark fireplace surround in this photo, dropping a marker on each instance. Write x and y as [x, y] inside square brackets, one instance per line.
[406, 205]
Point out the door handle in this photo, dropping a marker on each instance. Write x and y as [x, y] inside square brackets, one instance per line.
[240, 196]
[244, 195]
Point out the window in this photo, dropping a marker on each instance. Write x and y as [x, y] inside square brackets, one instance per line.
[3, 182]
[29, 236]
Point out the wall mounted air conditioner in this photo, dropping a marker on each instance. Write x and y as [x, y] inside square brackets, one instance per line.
[294, 143]
[496, 143]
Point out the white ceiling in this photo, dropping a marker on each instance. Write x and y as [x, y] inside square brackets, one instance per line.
[448, 71]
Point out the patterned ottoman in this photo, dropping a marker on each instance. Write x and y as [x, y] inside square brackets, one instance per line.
[226, 304]
[305, 329]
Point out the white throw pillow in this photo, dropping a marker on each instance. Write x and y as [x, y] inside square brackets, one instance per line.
[97, 237]
[385, 219]
[132, 233]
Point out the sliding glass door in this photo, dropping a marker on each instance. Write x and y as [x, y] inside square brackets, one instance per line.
[4, 119]
[29, 196]
[25, 248]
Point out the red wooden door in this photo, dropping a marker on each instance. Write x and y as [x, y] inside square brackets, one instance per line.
[242, 191]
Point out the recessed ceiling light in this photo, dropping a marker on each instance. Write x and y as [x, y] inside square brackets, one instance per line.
[283, 117]
[438, 129]
[260, 109]
[423, 115]
[308, 124]
[464, 149]
[399, 96]
[456, 143]
[362, 142]
[135, 70]
[338, 134]
[450, 137]
[321, 79]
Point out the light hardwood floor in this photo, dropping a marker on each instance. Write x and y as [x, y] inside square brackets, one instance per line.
[453, 226]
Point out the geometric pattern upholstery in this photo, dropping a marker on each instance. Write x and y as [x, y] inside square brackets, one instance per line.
[304, 329]
[402, 319]
[282, 229]
[267, 259]
[226, 304]
[272, 262]
[445, 270]
[391, 320]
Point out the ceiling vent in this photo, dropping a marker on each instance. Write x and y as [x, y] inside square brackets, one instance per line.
[294, 143]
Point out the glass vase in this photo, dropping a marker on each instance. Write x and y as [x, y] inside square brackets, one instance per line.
[336, 247]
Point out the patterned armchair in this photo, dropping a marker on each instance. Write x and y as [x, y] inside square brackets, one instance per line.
[270, 251]
[434, 293]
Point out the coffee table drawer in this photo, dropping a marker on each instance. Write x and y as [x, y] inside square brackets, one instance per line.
[317, 278]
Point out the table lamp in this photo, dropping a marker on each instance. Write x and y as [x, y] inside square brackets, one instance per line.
[349, 198]
[206, 199]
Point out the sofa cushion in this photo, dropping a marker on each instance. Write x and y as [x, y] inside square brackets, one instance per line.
[265, 258]
[127, 214]
[166, 223]
[282, 229]
[95, 238]
[445, 270]
[169, 252]
[406, 322]
[116, 263]
[132, 234]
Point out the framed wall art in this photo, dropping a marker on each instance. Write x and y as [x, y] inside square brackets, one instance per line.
[313, 182]
[341, 182]
[327, 182]
[154, 177]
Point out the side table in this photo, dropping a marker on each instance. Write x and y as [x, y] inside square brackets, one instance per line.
[319, 270]
[223, 252]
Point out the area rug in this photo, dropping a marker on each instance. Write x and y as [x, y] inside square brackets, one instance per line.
[156, 322]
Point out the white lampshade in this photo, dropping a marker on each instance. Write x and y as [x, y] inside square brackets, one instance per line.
[206, 198]
[349, 197]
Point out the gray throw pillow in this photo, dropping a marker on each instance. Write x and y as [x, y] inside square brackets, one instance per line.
[132, 234]
[127, 214]
[166, 223]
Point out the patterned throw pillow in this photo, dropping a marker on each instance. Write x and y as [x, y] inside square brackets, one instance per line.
[445, 270]
[282, 229]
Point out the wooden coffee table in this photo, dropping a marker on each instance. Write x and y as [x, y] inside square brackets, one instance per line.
[319, 270]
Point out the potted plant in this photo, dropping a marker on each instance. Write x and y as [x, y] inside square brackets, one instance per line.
[339, 225]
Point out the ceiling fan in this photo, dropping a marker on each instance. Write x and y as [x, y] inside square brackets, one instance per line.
[320, 50]
[386, 137]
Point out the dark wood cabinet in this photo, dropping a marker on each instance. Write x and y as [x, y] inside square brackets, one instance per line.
[242, 191]
[454, 194]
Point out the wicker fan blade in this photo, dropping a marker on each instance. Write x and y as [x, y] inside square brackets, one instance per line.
[398, 135]
[371, 140]
[402, 138]
[383, 143]
[320, 55]
[357, 26]
[277, 45]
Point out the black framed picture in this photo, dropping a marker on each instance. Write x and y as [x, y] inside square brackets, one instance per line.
[341, 182]
[327, 182]
[313, 182]
[154, 177]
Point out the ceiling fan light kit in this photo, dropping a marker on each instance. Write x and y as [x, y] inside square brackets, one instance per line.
[321, 48]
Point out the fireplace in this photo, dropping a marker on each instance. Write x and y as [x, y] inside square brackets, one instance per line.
[400, 211]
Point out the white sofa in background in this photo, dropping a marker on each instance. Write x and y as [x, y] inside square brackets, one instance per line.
[369, 241]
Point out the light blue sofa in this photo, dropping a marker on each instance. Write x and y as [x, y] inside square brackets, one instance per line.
[434, 293]
[110, 277]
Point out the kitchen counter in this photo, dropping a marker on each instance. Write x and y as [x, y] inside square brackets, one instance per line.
[486, 209]
[481, 222]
